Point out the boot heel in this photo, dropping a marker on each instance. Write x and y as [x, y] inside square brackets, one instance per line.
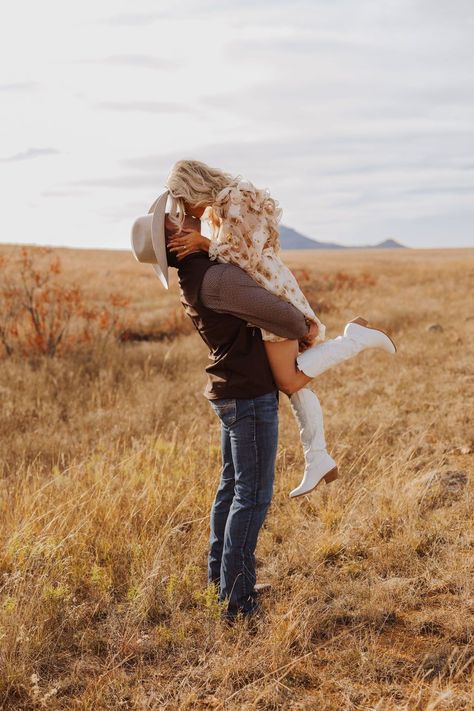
[389, 337]
[330, 476]
[361, 321]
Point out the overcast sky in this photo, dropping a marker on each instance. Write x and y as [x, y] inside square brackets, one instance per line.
[357, 115]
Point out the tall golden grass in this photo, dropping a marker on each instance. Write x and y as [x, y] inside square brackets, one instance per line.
[109, 464]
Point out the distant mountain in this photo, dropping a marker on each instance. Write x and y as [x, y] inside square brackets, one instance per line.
[291, 239]
[386, 244]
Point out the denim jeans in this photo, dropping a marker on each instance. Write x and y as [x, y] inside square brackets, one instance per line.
[249, 438]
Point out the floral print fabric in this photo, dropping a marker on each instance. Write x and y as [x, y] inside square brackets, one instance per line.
[245, 237]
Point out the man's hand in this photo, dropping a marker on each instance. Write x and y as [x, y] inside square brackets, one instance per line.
[187, 242]
[308, 340]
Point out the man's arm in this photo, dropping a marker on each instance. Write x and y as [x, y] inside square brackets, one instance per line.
[226, 288]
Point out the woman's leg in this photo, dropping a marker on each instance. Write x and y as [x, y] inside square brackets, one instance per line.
[306, 408]
[282, 358]
[293, 370]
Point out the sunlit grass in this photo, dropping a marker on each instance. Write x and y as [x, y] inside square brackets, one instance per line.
[109, 469]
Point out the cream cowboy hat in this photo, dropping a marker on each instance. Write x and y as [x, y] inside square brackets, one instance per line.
[148, 238]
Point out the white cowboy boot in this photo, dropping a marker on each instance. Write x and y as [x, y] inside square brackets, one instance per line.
[319, 464]
[357, 337]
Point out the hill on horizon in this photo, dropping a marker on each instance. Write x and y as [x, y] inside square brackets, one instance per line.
[291, 239]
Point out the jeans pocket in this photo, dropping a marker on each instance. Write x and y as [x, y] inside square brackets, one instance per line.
[226, 409]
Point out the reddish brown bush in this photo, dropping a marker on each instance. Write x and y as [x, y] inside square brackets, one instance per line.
[326, 292]
[175, 324]
[333, 281]
[39, 315]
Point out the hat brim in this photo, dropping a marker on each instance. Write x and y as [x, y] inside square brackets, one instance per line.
[158, 237]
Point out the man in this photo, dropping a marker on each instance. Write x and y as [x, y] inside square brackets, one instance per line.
[228, 308]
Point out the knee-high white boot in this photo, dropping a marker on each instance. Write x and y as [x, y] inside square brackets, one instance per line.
[319, 464]
[358, 336]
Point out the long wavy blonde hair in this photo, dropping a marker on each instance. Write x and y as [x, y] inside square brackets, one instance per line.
[197, 183]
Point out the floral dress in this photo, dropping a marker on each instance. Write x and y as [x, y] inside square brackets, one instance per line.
[245, 237]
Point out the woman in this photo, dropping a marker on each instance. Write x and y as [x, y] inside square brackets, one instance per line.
[244, 231]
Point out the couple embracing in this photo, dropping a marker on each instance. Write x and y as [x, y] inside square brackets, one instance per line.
[263, 339]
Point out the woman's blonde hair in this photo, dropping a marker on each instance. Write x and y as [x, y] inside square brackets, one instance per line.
[199, 184]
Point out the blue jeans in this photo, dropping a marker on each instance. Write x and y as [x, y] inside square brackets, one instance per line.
[249, 438]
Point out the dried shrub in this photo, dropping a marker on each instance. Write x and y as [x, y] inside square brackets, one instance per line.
[41, 316]
[175, 324]
[337, 281]
[324, 291]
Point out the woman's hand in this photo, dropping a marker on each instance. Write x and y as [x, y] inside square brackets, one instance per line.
[187, 242]
[308, 340]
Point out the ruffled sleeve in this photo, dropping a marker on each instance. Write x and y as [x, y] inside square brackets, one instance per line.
[241, 237]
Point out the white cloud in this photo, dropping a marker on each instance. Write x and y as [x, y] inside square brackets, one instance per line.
[152, 107]
[137, 60]
[357, 116]
[20, 86]
[126, 19]
[28, 154]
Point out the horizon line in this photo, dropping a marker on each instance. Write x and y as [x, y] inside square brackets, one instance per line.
[295, 249]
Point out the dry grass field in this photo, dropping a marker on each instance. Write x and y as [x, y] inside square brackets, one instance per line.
[109, 462]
